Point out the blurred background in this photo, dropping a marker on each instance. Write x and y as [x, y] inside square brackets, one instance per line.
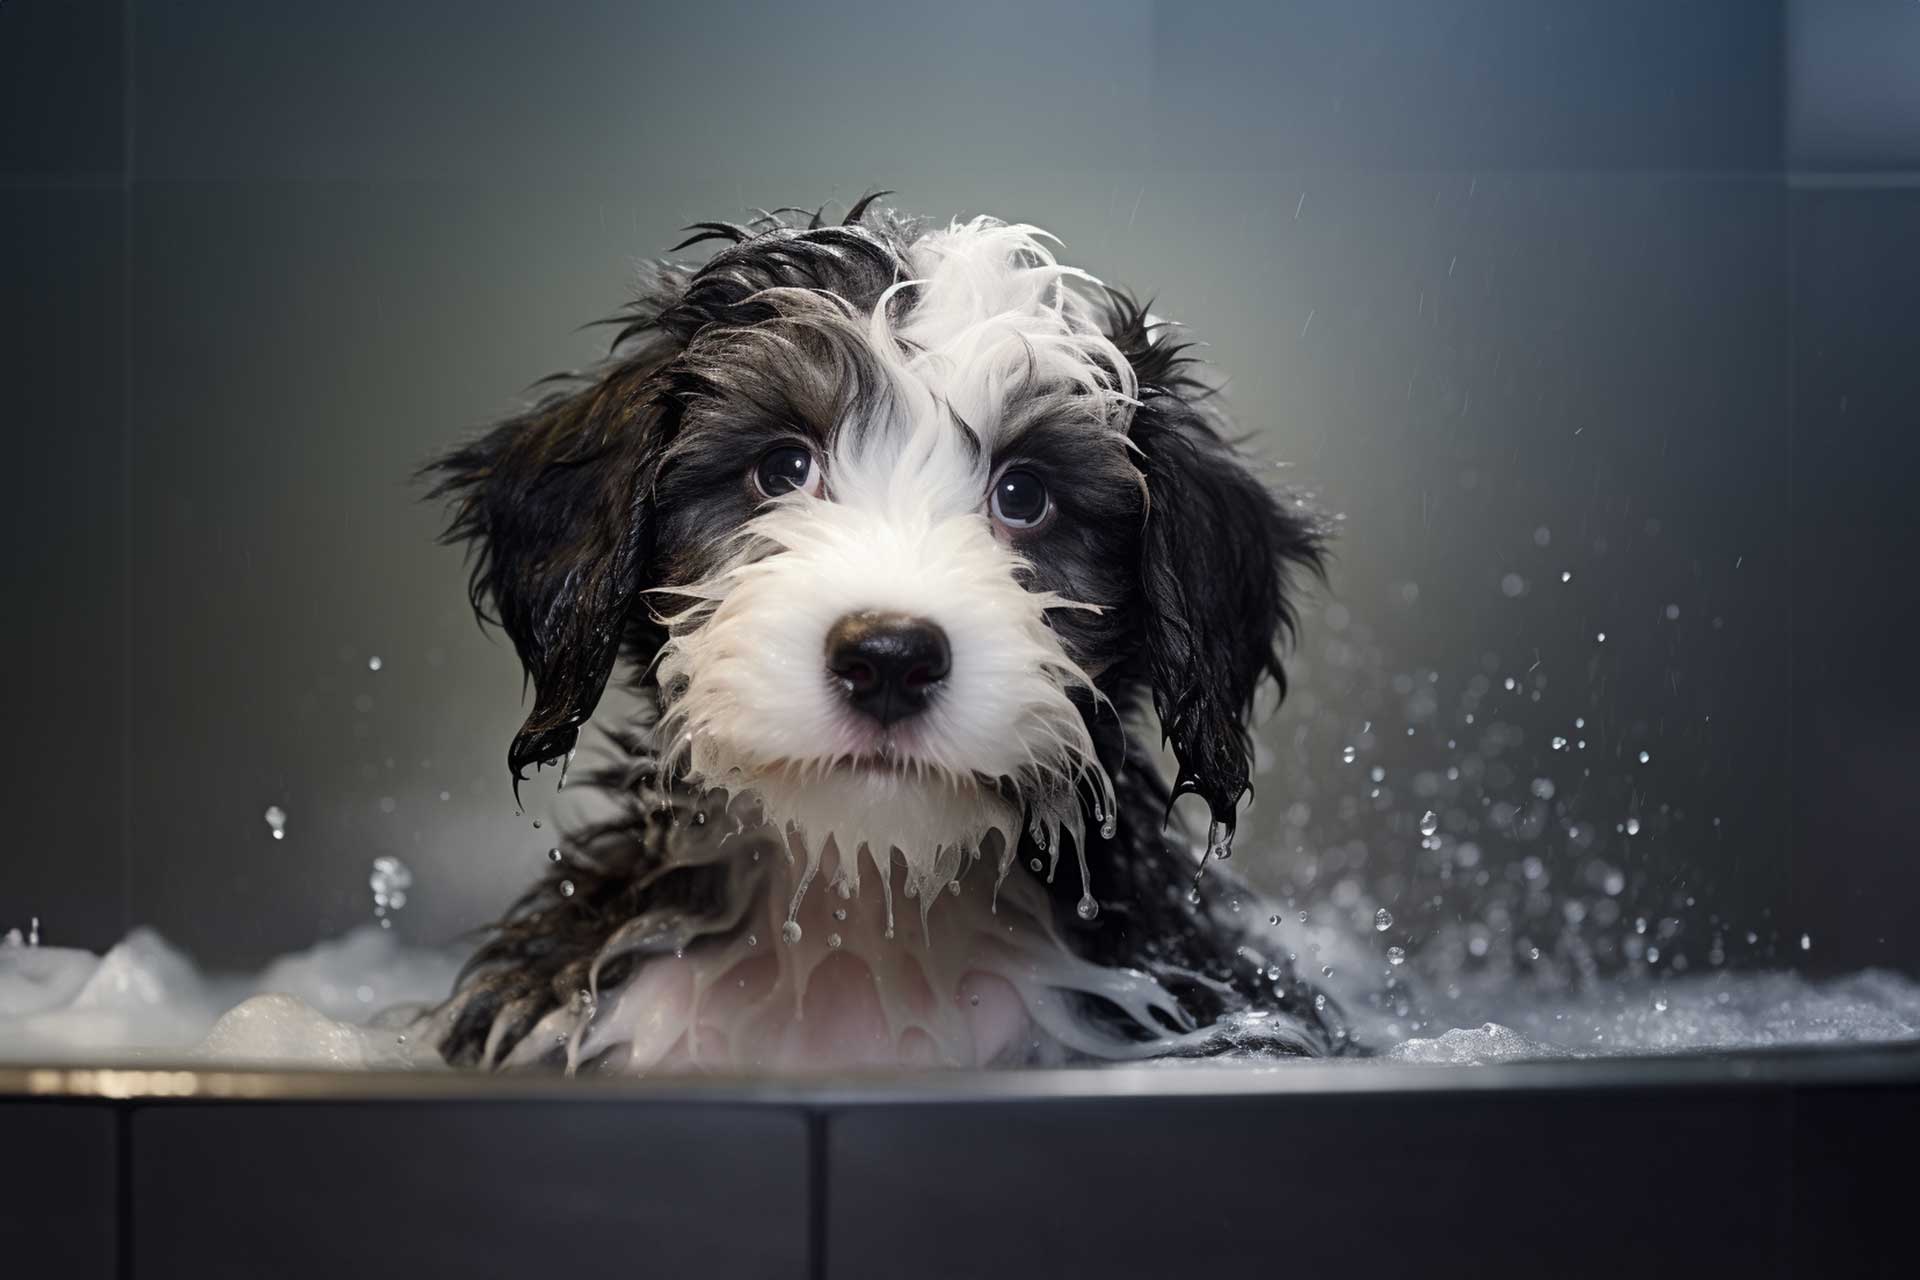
[1596, 325]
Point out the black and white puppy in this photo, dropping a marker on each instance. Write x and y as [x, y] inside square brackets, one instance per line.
[903, 526]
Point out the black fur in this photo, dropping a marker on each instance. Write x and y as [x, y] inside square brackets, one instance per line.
[629, 477]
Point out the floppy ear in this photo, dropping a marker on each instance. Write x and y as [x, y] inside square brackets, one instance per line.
[556, 505]
[1218, 555]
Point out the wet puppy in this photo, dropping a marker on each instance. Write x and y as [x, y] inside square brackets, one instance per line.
[905, 529]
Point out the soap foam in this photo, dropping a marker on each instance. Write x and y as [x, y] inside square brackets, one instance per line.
[356, 1002]
[342, 1003]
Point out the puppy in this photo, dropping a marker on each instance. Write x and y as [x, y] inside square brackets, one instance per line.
[904, 529]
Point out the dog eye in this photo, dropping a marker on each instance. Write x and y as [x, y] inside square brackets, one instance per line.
[1020, 500]
[785, 468]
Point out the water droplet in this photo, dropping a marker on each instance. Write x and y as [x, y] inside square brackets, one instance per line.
[536, 824]
[953, 886]
[1566, 575]
[1348, 756]
[1429, 823]
[374, 663]
[1396, 955]
[33, 932]
[1220, 841]
[1320, 1002]
[553, 855]
[1326, 971]
[1559, 743]
[1088, 908]
[839, 913]
[389, 879]
[277, 821]
[566, 888]
[790, 931]
[1382, 920]
[1600, 638]
[752, 941]
[833, 941]
[973, 1000]
[1193, 895]
[700, 818]
[1659, 1004]
[1035, 864]
[1633, 826]
[1806, 942]
[1273, 919]
[1645, 756]
[1107, 827]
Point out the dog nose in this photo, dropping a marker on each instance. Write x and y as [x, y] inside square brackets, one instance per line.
[889, 663]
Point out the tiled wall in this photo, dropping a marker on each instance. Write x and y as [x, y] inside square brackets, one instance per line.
[263, 260]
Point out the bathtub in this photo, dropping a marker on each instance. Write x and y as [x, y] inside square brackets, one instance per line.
[1764, 1163]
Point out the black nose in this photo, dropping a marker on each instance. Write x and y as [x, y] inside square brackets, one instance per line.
[889, 663]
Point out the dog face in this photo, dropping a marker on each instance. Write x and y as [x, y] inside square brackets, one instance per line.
[897, 516]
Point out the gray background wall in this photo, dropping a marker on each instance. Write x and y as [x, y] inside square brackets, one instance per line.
[1640, 275]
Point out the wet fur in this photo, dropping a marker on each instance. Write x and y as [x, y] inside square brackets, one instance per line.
[609, 488]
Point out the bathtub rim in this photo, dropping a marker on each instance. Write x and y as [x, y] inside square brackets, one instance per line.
[161, 1080]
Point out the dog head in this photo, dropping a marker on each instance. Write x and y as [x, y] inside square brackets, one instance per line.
[895, 516]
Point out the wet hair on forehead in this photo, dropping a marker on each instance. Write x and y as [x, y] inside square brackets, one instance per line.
[856, 261]
[806, 369]
[992, 345]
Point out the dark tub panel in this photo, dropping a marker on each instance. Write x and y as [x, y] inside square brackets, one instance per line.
[1685, 1184]
[1853, 1181]
[328, 1190]
[59, 1189]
